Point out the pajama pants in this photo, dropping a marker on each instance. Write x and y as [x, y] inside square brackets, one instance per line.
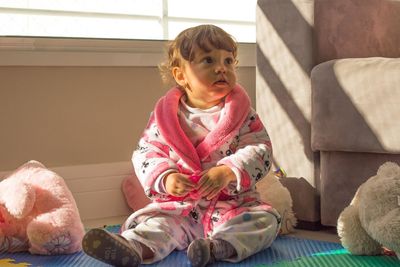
[248, 233]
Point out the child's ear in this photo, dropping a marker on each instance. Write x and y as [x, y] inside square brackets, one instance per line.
[179, 76]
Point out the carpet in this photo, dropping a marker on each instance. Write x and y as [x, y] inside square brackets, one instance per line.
[286, 251]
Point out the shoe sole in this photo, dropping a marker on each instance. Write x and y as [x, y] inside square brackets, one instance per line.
[198, 253]
[108, 248]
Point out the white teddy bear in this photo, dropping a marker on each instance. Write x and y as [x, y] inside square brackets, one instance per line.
[372, 220]
[273, 192]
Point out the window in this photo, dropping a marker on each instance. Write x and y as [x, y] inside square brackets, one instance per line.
[124, 19]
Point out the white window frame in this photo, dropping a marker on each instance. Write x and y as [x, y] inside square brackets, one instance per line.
[32, 51]
[64, 51]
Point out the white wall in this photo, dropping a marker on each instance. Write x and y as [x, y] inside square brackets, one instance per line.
[76, 102]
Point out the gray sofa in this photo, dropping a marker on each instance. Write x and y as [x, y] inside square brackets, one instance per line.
[328, 91]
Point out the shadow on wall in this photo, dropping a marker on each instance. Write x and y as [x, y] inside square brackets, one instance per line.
[279, 50]
[301, 202]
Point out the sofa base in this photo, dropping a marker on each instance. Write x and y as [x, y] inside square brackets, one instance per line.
[311, 226]
[341, 175]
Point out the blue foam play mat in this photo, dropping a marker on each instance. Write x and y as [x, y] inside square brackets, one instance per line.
[286, 251]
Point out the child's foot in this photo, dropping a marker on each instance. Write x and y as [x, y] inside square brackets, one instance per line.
[203, 251]
[110, 248]
[199, 253]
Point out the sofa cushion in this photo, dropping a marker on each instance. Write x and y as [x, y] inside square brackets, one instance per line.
[356, 105]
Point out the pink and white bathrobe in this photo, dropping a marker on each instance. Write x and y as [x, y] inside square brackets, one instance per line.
[238, 140]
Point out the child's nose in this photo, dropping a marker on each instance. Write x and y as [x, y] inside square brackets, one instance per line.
[220, 68]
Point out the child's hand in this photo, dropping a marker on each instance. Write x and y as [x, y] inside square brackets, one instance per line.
[178, 185]
[214, 180]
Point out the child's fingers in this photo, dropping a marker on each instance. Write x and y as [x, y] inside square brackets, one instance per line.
[204, 189]
[213, 194]
[209, 187]
[203, 172]
[188, 183]
[204, 180]
[181, 191]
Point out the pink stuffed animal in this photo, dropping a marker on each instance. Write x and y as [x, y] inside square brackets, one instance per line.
[38, 213]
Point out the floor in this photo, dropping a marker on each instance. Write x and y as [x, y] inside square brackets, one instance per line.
[326, 234]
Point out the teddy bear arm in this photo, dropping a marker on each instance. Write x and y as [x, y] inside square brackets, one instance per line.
[386, 230]
[353, 236]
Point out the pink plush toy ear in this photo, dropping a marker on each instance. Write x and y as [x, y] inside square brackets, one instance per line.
[133, 192]
[17, 198]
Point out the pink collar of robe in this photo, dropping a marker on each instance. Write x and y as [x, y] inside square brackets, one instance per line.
[237, 107]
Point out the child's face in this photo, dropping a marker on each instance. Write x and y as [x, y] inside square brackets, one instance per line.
[208, 78]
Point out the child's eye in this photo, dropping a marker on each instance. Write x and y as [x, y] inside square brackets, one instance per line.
[229, 60]
[208, 60]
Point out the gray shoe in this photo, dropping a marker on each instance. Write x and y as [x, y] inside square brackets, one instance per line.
[110, 248]
[199, 252]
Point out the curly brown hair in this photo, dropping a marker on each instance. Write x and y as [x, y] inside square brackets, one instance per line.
[205, 37]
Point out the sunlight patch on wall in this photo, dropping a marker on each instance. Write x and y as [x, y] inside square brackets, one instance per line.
[285, 136]
[284, 64]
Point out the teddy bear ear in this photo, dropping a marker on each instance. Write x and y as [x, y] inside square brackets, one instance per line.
[388, 169]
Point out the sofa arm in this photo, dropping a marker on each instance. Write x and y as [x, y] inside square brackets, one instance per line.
[355, 105]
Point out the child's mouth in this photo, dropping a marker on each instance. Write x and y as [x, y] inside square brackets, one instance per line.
[221, 82]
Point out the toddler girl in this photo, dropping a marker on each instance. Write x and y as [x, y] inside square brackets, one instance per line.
[198, 160]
